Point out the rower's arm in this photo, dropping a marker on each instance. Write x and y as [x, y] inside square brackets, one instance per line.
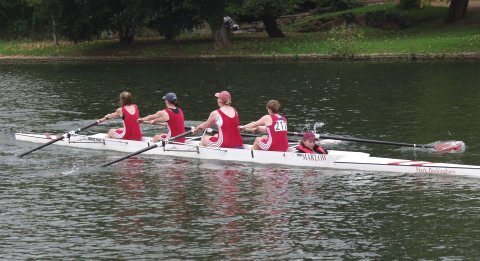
[159, 116]
[113, 115]
[257, 125]
[208, 123]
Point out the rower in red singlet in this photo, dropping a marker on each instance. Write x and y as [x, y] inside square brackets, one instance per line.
[129, 114]
[172, 115]
[226, 119]
[275, 125]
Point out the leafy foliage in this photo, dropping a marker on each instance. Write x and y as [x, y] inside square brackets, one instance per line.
[410, 4]
[343, 40]
[171, 17]
[15, 18]
[388, 20]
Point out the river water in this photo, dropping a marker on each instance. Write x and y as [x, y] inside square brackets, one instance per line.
[55, 204]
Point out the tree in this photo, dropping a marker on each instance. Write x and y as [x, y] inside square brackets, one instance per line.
[126, 17]
[171, 17]
[213, 12]
[74, 20]
[268, 11]
[457, 10]
[15, 18]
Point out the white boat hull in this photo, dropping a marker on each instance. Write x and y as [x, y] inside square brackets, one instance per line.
[334, 160]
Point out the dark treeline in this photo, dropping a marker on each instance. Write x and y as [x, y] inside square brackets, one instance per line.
[78, 20]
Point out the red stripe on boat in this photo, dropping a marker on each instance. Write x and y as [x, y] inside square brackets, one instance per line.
[413, 163]
[400, 162]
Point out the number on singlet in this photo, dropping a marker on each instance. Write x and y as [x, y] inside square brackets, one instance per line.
[280, 125]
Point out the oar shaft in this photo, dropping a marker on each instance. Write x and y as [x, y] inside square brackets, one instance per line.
[88, 126]
[334, 137]
[248, 135]
[294, 133]
[41, 146]
[59, 138]
[180, 135]
[147, 148]
[130, 155]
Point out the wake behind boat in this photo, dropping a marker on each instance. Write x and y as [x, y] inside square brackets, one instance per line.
[346, 160]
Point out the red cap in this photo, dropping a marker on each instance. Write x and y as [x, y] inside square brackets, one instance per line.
[309, 135]
[224, 96]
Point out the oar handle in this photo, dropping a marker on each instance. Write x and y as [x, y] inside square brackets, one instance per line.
[59, 138]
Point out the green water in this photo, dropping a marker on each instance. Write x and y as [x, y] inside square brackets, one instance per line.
[56, 205]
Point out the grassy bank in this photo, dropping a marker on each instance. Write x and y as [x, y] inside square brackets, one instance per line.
[429, 36]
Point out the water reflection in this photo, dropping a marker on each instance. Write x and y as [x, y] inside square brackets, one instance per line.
[224, 201]
[274, 204]
[132, 179]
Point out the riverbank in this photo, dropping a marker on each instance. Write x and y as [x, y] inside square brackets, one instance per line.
[244, 58]
[429, 39]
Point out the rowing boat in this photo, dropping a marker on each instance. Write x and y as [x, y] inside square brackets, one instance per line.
[335, 159]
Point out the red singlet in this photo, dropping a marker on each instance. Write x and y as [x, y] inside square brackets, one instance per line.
[131, 128]
[228, 133]
[277, 135]
[176, 123]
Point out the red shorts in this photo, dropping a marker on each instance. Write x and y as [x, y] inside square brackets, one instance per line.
[119, 133]
[264, 145]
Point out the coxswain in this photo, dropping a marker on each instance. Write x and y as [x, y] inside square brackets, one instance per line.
[308, 145]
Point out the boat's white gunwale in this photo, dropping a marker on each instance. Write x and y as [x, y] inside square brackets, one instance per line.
[334, 160]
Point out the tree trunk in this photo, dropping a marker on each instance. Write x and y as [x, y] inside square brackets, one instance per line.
[168, 34]
[125, 34]
[457, 10]
[271, 25]
[221, 38]
[54, 31]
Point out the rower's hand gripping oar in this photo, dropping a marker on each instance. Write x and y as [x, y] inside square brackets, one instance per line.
[148, 148]
[66, 135]
[446, 146]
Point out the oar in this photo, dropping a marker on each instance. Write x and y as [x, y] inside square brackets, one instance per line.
[446, 146]
[248, 135]
[148, 148]
[59, 138]
[210, 130]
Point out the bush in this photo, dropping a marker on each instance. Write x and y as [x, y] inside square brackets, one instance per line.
[410, 4]
[329, 6]
[388, 20]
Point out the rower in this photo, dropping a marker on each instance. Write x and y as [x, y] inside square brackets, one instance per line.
[275, 125]
[172, 115]
[129, 114]
[308, 145]
[227, 121]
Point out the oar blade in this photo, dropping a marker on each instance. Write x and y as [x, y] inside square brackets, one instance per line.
[452, 146]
